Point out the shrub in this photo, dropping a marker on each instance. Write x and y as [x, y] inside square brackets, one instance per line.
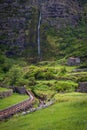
[63, 86]
[44, 74]
[32, 81]
[62, 71]
[14, 75]
[41, 87]
[82, 78]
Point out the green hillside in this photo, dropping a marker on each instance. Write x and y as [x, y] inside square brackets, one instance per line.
[63, 34]
[69, 114]
[56, 43]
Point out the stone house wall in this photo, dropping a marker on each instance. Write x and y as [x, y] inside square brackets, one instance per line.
[73, 61]
[82, 87]
[6, 93]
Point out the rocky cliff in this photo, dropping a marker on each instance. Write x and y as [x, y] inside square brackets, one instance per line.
[61, 12]
[19, 20]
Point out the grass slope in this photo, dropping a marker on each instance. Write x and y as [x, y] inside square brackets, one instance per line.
[15, 98]
[67, 115]
[3, 89]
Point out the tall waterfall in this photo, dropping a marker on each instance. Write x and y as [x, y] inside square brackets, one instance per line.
[39, 24]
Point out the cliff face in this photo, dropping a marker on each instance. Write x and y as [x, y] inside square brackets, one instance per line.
[19, 20]
[59, 13]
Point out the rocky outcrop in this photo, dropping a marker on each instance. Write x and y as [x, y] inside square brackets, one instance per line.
[18, 25]
[59, 13]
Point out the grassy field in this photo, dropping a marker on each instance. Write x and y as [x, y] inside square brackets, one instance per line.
[69, 114]
[3, 89]
[15, 98]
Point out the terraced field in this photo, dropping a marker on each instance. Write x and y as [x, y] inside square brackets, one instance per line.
[9, 101]
[68, 113]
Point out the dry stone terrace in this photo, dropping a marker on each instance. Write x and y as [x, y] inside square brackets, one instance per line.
[6, 113]
[6, 93]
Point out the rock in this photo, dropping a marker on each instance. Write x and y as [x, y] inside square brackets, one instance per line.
[72, 61]
[24, 113]
[59, 13]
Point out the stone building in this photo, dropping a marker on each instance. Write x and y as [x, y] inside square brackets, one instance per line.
[5, 94]
[73, 61]
[17, 89]
[82, 87]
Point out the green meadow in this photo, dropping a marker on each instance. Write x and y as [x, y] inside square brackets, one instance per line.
[13, 99]
[3, 89]
[68, 113]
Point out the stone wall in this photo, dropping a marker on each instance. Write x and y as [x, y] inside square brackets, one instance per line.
[72, 61]
[82, 87]
[6, 93]
[20, 90]
[24, 105]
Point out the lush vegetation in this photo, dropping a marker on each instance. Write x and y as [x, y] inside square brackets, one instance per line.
[62, 42]
[58, 44]
[3, 89]
[51, 79]
[69, 113]
[45, 78]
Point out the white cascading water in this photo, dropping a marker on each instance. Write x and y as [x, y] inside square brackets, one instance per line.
[39, 23]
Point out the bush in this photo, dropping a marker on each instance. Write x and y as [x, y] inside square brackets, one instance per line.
[14, 75]
[44, 75]
[65, 86]
[82, 78]
[41, 87]
[32, 81]
[62, 71]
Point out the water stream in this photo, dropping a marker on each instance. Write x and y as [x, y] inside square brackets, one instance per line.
[39, 24]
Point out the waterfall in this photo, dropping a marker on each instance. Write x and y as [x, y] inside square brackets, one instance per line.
[39, 23]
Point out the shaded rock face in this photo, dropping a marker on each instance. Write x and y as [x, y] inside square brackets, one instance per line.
[18, 27]
[82, 87]
[19, 20]
[60, 13]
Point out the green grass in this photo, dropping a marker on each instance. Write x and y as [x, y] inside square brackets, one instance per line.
[74, 96]
[47, 93]
[3, 89]
[12, 100]
[68, 115]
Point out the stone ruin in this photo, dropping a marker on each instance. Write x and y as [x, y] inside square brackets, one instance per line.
[20, 90]
[72, 61]
[5, 94]
[82, 87]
